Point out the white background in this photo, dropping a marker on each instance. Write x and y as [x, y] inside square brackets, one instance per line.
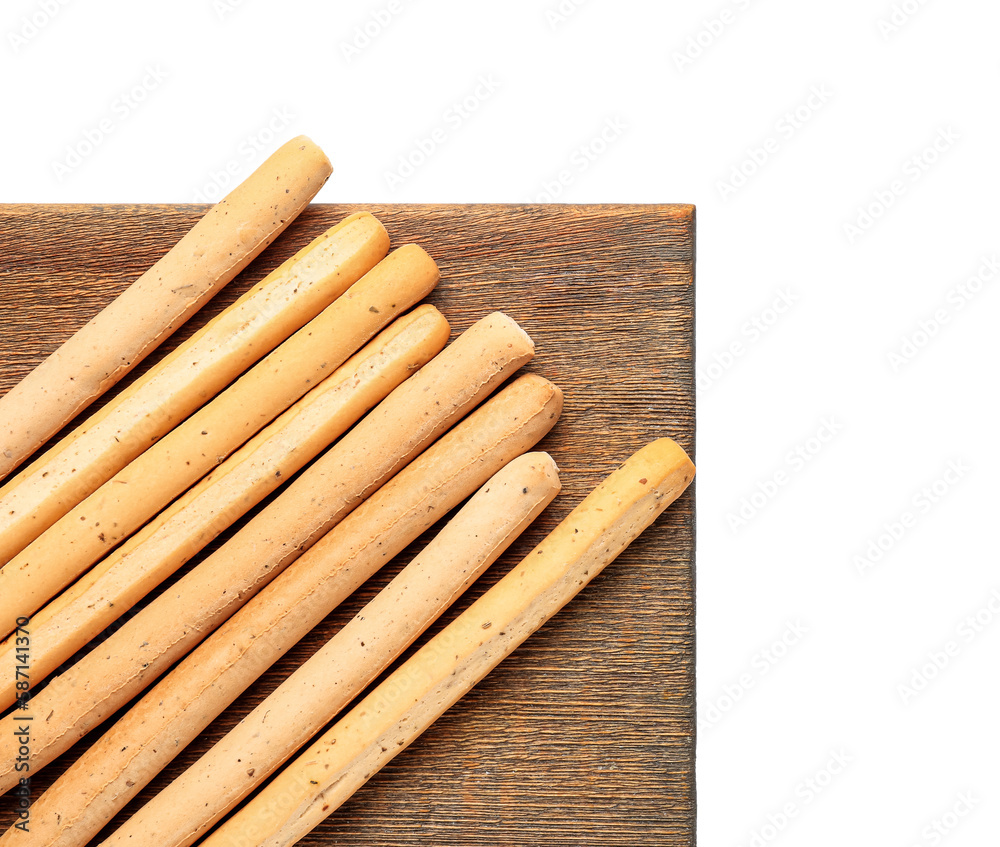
[843, 158]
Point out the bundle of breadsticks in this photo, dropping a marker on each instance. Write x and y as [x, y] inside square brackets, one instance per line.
[326, 413]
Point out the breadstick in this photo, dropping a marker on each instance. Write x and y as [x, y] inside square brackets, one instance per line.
[438, 675]
[185, 379]
[102, 781]
[345, 665]
[122, 579]
[154, 478]
[209, 256]
[396, 431]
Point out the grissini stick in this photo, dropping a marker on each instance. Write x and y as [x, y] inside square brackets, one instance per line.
[400, 428]
[327, 682]
[185, 454]
[185, 379]
[230, 235]
[104, 778]
[266, 462]
[439, 674]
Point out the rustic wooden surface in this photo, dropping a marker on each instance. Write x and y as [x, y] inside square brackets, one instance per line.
[585, 736]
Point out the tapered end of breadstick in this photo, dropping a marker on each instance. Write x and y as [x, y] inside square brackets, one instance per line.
[531, 477]
[409, 267]
[366, 225]
[500, 316]
[307, 147]
[425, 319]
[538, 385]
[617, 511]
[284, 184]
[416, 258]
[538, 476]
[666, 452]
[661, 468]
[541, 466]
[304, 155]
[501, 322]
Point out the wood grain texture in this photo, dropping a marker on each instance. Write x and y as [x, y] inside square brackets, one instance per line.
[585, 736]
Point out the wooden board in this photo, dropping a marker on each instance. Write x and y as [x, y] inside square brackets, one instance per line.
[585, 736]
